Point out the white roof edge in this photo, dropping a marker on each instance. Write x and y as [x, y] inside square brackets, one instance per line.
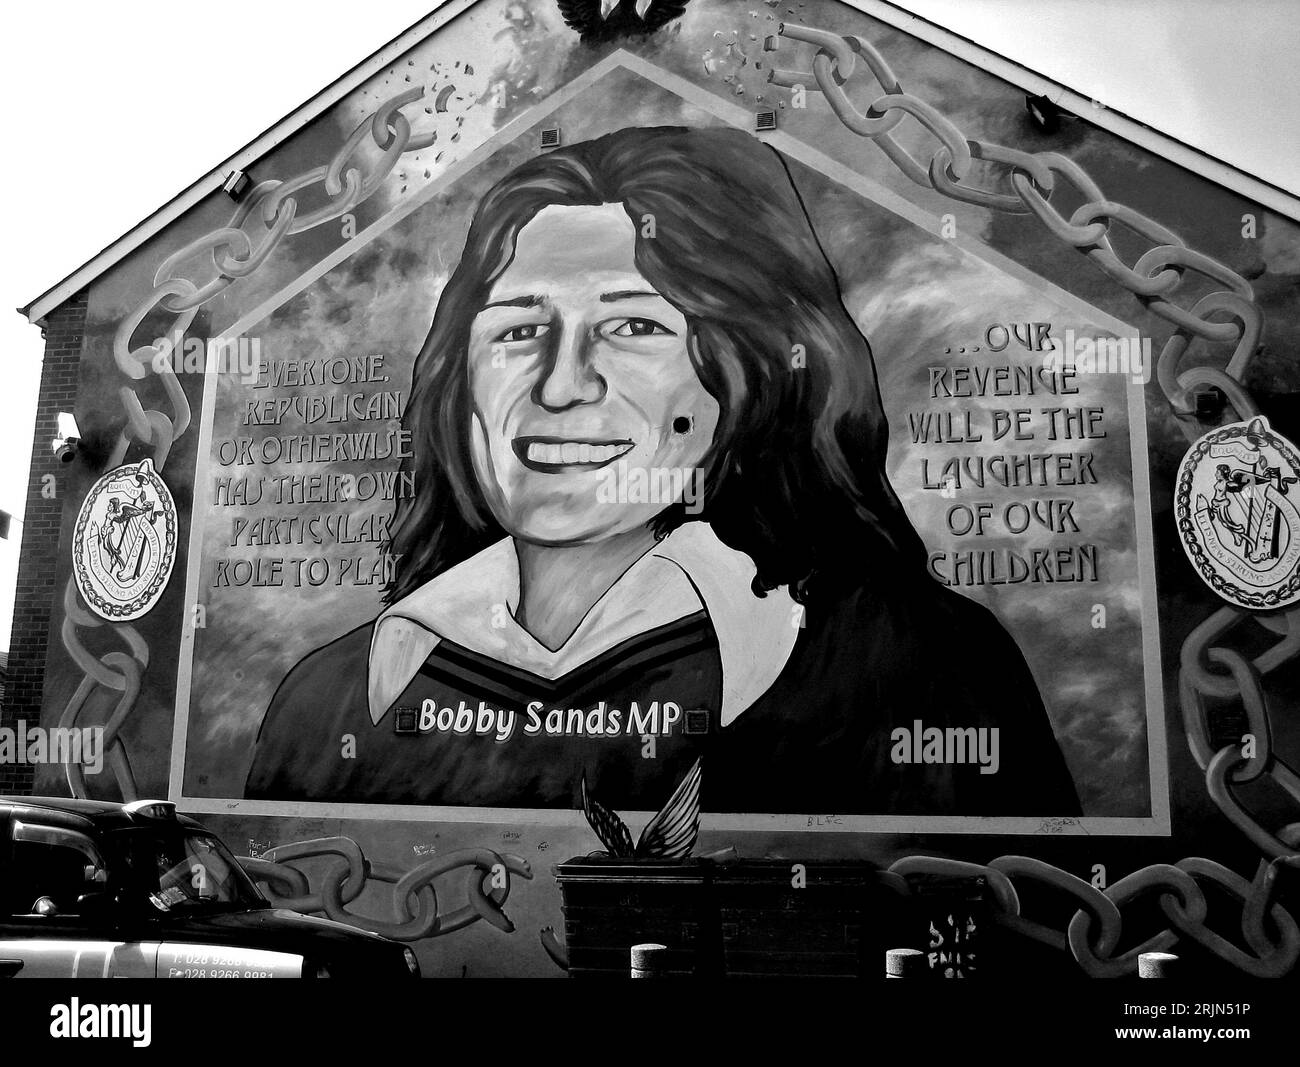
[443, 12]
[1193, 159]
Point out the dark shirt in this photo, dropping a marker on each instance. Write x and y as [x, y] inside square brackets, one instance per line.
[819, 740]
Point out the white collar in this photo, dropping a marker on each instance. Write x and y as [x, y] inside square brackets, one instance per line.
[474, 602]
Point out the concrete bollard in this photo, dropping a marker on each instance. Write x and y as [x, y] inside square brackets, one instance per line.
[906, 963]
[649, 961]
[1159, 965]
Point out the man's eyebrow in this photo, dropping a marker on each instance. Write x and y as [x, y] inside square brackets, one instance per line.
[516, 302]
[627, 294]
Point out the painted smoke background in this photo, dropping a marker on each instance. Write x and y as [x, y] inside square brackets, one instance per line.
[911, 294]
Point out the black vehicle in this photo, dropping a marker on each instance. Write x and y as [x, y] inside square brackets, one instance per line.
[91, 889]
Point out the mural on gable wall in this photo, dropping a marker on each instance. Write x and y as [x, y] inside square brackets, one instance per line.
[649, 484]
[578, 447]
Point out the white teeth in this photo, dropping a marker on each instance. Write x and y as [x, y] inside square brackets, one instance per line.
[604, 453]
[571, 452]
[540, 453]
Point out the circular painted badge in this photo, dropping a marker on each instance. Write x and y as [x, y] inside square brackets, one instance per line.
[124, 545]
[1236, 506]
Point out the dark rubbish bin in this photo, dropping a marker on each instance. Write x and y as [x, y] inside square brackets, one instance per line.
[610, 905]
[811, 919]
[767, 918]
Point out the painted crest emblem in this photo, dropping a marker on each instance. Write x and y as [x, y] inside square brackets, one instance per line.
[124, 545]
[1238, 512]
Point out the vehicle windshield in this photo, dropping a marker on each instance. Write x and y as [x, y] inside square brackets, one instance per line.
[183, 871]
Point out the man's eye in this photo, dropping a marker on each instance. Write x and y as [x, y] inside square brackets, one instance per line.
[641, 328]
[530, 332]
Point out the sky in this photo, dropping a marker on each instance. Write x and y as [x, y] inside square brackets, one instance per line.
[132, 102]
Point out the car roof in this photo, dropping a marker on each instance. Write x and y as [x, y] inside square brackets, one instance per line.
[101, 814]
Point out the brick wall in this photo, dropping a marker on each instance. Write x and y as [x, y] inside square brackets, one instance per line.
[36, 594]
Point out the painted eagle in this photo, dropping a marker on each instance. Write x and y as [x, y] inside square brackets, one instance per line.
[604, 20]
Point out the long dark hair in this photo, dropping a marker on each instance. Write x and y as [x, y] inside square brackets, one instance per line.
[795, 477]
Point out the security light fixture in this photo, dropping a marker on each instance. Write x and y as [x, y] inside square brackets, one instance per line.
[1207, 403]
[236, 184]
[68, 438]
[1044, 114]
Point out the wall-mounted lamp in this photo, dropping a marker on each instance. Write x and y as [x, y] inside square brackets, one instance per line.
[236, 184]
[1044, 114]
[68, 438]
[1207, 402]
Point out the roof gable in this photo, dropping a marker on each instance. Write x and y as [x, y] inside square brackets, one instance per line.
[445, 13]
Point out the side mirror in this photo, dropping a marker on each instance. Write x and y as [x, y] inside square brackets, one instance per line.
[45, 908]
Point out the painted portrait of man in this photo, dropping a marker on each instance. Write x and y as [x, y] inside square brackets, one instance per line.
[653, 525]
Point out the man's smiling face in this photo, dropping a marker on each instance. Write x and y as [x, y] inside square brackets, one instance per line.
[576, 366]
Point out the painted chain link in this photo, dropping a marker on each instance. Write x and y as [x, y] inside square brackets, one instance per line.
[414, 902]
[234, 253]
[1029, 181]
